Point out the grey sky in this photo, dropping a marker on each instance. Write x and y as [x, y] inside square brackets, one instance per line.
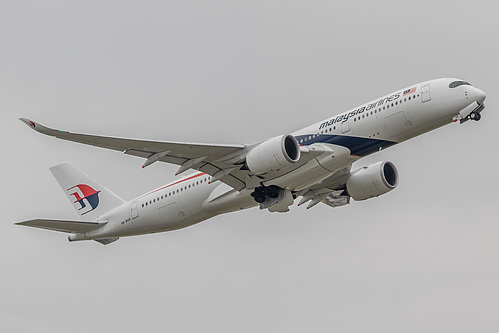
[424, 257]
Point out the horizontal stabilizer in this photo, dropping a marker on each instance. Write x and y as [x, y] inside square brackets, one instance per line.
[73, 227]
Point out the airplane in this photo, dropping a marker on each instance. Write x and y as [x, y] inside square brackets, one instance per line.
[314, 163]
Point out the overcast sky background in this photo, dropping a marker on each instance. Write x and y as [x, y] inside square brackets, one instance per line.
[424, 257]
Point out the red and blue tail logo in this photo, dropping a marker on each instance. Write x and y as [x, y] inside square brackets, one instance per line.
[85, 194]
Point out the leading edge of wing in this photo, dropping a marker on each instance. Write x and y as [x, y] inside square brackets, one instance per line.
[124, 144]
[73, 227]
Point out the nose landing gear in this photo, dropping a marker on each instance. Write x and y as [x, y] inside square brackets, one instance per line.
[473, 115]
[476, 116]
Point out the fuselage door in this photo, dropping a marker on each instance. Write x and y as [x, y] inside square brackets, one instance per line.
[425, 93]
[345, 126]
[134, 211]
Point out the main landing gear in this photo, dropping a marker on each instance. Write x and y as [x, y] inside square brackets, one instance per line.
[273, 198]
[261, 193]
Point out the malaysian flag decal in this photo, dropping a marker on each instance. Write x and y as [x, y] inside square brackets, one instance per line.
[409, 91]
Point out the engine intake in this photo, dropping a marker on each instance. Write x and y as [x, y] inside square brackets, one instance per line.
[273, 154]
[372, 181]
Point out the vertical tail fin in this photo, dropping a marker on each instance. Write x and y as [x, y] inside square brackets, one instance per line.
[89, 198]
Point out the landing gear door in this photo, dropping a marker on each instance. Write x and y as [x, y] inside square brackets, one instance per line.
[134, 211]
[425, 93]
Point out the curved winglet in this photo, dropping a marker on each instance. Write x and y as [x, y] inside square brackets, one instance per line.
[28, 122]
[39, 128]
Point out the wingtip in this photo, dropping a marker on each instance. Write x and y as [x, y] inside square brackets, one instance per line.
[28, 122]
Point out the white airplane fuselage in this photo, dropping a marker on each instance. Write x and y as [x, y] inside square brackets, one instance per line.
[356, 133]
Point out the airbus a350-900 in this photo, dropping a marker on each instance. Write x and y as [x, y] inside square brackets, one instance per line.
[313, 164]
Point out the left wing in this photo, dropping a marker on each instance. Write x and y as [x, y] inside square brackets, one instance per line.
[222, 162]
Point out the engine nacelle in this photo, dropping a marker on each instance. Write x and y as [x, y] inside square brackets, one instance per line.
[273, 154]
[372, 181]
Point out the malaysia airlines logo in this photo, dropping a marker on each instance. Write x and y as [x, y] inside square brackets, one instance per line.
[85, 193]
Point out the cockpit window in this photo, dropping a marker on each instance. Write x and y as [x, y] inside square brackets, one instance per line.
[458, 83]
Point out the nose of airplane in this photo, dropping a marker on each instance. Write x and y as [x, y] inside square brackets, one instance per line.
[479, 95]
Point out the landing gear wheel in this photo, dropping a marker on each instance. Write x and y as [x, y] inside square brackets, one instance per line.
[475, 116]
[260, 199]
[259, 195]
[273, 192]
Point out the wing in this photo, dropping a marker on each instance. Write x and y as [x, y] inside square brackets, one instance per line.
[330, 191]
[222, 162]
[73, 227]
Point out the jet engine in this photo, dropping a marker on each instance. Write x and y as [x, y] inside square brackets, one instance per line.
[372, 181]
[273, 154]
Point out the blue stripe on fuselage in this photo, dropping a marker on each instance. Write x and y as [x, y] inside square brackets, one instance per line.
[358, 146]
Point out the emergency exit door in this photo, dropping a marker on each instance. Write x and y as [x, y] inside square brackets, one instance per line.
[425, 93]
